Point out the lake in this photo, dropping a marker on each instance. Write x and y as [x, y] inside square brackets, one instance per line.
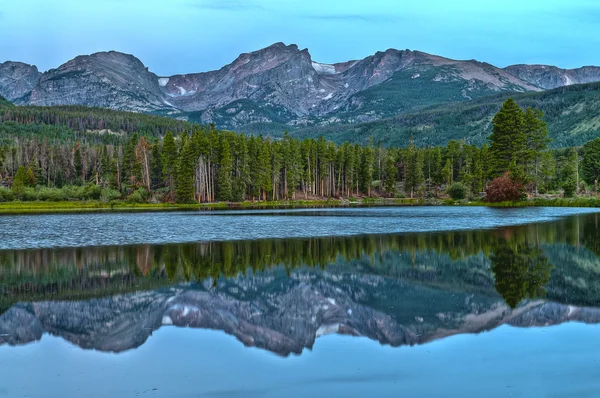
[385, 302]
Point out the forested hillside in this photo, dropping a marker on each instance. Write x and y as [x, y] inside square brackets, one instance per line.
[66, 153]
[572, 114]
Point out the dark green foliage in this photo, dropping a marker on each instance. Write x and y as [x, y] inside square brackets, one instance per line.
[224, 191]
[169, 160]
[508, 139]
[207, 165]
[521, 271]
[19, 182]
[591, 162]
[391, 174]
[184, 191]
[457, 191]
[4, 102]
[571, 113]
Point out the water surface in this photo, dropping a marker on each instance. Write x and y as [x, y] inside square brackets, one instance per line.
[433, 305]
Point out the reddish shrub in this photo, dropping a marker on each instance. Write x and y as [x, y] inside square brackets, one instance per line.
[504, 189]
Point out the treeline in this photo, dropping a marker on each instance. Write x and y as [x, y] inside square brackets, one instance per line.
[86, 119]
[192, 163]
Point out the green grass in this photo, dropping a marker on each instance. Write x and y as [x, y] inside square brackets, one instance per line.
[95, 206]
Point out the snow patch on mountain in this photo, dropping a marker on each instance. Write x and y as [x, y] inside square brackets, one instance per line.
[162, 81]
[568, 81]
[324, 69]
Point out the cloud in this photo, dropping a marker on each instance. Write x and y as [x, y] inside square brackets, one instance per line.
[226, 5]
[235, 393]
[369, 18]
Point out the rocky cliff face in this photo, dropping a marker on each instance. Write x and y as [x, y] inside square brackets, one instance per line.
[107, 79]
[17, 79]
[548, 77]
[279, 314]
[279, 84]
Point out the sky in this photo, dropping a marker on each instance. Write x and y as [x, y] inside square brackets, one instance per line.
[184, 36]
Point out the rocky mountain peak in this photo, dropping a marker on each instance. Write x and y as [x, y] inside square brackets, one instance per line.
[17, 79]
[279, 84]
[106, 79]
[548, 77]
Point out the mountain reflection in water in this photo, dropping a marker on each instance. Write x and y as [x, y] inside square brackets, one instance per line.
[282, 294]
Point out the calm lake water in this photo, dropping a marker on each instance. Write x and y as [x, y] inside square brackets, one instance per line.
[382, 302]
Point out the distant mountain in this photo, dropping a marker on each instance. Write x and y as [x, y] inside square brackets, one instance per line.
[572, 114]
[280, 85]
[17, 79]
[549, 77]
[109, 80]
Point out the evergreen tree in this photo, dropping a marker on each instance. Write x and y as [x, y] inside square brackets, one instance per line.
[591, 163]
[366, 170]
[156, 165]
[31, 177]
[536, 133]
[169, 161]
[414, 169]
[508, 140]
[390, 174]
[19, 182]
[77, 162]
[184, 189]
[224, 188]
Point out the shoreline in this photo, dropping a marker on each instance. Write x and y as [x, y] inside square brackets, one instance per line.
[36, 207]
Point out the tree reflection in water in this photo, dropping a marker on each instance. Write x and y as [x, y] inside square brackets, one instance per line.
[516, 260]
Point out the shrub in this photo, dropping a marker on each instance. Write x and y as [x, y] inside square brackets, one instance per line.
[6, 195]
[92, 192]
[139, 196]
[504, 189]
[109, 195]
[50, 194]
[457, 191]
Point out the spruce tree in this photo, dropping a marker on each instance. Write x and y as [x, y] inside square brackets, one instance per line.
[414, 169]
[169, 161]
[156, 165]
[366, 170]
[536, 134]
[508, 140]
[19, 182]
[31, 177]
[390, 174]
[184, 189]
[591, 162]
[224, 187]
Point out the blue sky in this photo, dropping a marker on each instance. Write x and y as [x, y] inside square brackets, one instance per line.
[180, 36]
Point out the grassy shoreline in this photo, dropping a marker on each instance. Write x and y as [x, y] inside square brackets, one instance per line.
[96, 206]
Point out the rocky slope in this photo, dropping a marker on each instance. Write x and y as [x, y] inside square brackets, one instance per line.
[280, 84]
[548, 77]
[109, 80]
[17, 79]
[571, 113]
[282, 315]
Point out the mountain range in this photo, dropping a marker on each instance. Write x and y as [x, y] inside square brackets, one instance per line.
[280, 87]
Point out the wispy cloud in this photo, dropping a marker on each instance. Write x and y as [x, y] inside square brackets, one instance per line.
[235, 393]
[369, 18]
[226, 5]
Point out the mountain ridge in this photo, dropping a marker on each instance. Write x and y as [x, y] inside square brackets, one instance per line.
[279, 84]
